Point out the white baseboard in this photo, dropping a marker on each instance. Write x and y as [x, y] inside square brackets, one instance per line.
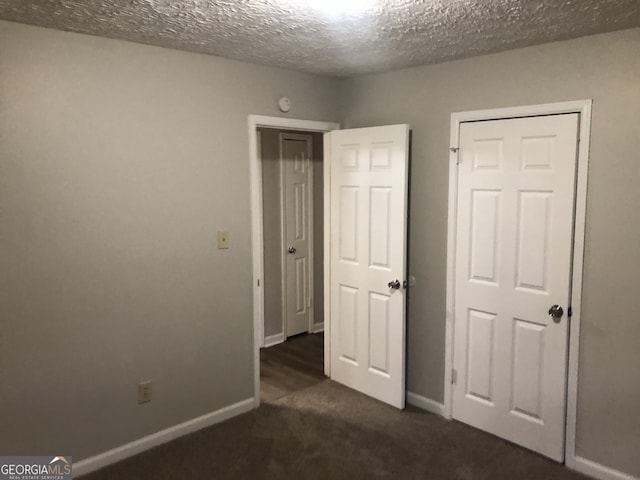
[318, 327]
[425, 403]
[272, 340]
[145, 443]
[597, 470]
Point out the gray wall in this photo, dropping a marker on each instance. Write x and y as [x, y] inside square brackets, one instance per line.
[118, 164]
[605, 68]
[273, 235]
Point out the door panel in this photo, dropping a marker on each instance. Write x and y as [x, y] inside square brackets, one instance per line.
[348, 211]
[378, 333]
[368, 250]
[379, 222]
[296, 185]
[484, 240]
[348, 322]
[513, 262]
[527, 357]
[480, 362]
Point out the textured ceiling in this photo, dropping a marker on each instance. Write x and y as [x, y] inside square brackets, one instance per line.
[370, 36]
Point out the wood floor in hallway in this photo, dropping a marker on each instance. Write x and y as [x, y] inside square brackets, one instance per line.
[293, 365]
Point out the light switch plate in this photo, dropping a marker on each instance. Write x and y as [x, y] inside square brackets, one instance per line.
[144, 392]
[223, 239]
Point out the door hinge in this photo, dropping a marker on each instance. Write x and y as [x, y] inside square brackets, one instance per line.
[569, 312]
[454, 376]
[258, 282]
[456, 150]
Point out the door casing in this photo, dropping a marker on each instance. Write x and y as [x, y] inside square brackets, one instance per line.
[582, 107]
[257, 230]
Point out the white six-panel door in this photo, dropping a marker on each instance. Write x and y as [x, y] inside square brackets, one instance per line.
[368, 251]
[297, 212]
[513, 262]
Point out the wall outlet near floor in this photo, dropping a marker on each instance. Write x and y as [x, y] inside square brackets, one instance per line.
[223, 239]
[144, 391]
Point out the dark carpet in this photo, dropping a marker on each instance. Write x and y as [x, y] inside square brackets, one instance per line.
[327, 431]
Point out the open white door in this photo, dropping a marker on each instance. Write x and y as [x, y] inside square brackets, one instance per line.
[368, 252]
[516, 187]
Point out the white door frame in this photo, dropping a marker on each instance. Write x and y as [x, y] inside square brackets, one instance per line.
[283, 229]
[583, 107]
[257, 231]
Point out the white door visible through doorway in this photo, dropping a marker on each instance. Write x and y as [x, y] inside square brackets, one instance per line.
[515, 214]
[297, 231]
[368, 185]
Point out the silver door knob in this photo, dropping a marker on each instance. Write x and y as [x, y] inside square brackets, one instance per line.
[556, 313]
[394, 285]
[292, 250]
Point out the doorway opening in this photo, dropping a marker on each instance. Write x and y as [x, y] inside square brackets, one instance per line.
[292, 201]
[288, 215]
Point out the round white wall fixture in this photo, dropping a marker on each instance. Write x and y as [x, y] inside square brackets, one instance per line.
[284, 104]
